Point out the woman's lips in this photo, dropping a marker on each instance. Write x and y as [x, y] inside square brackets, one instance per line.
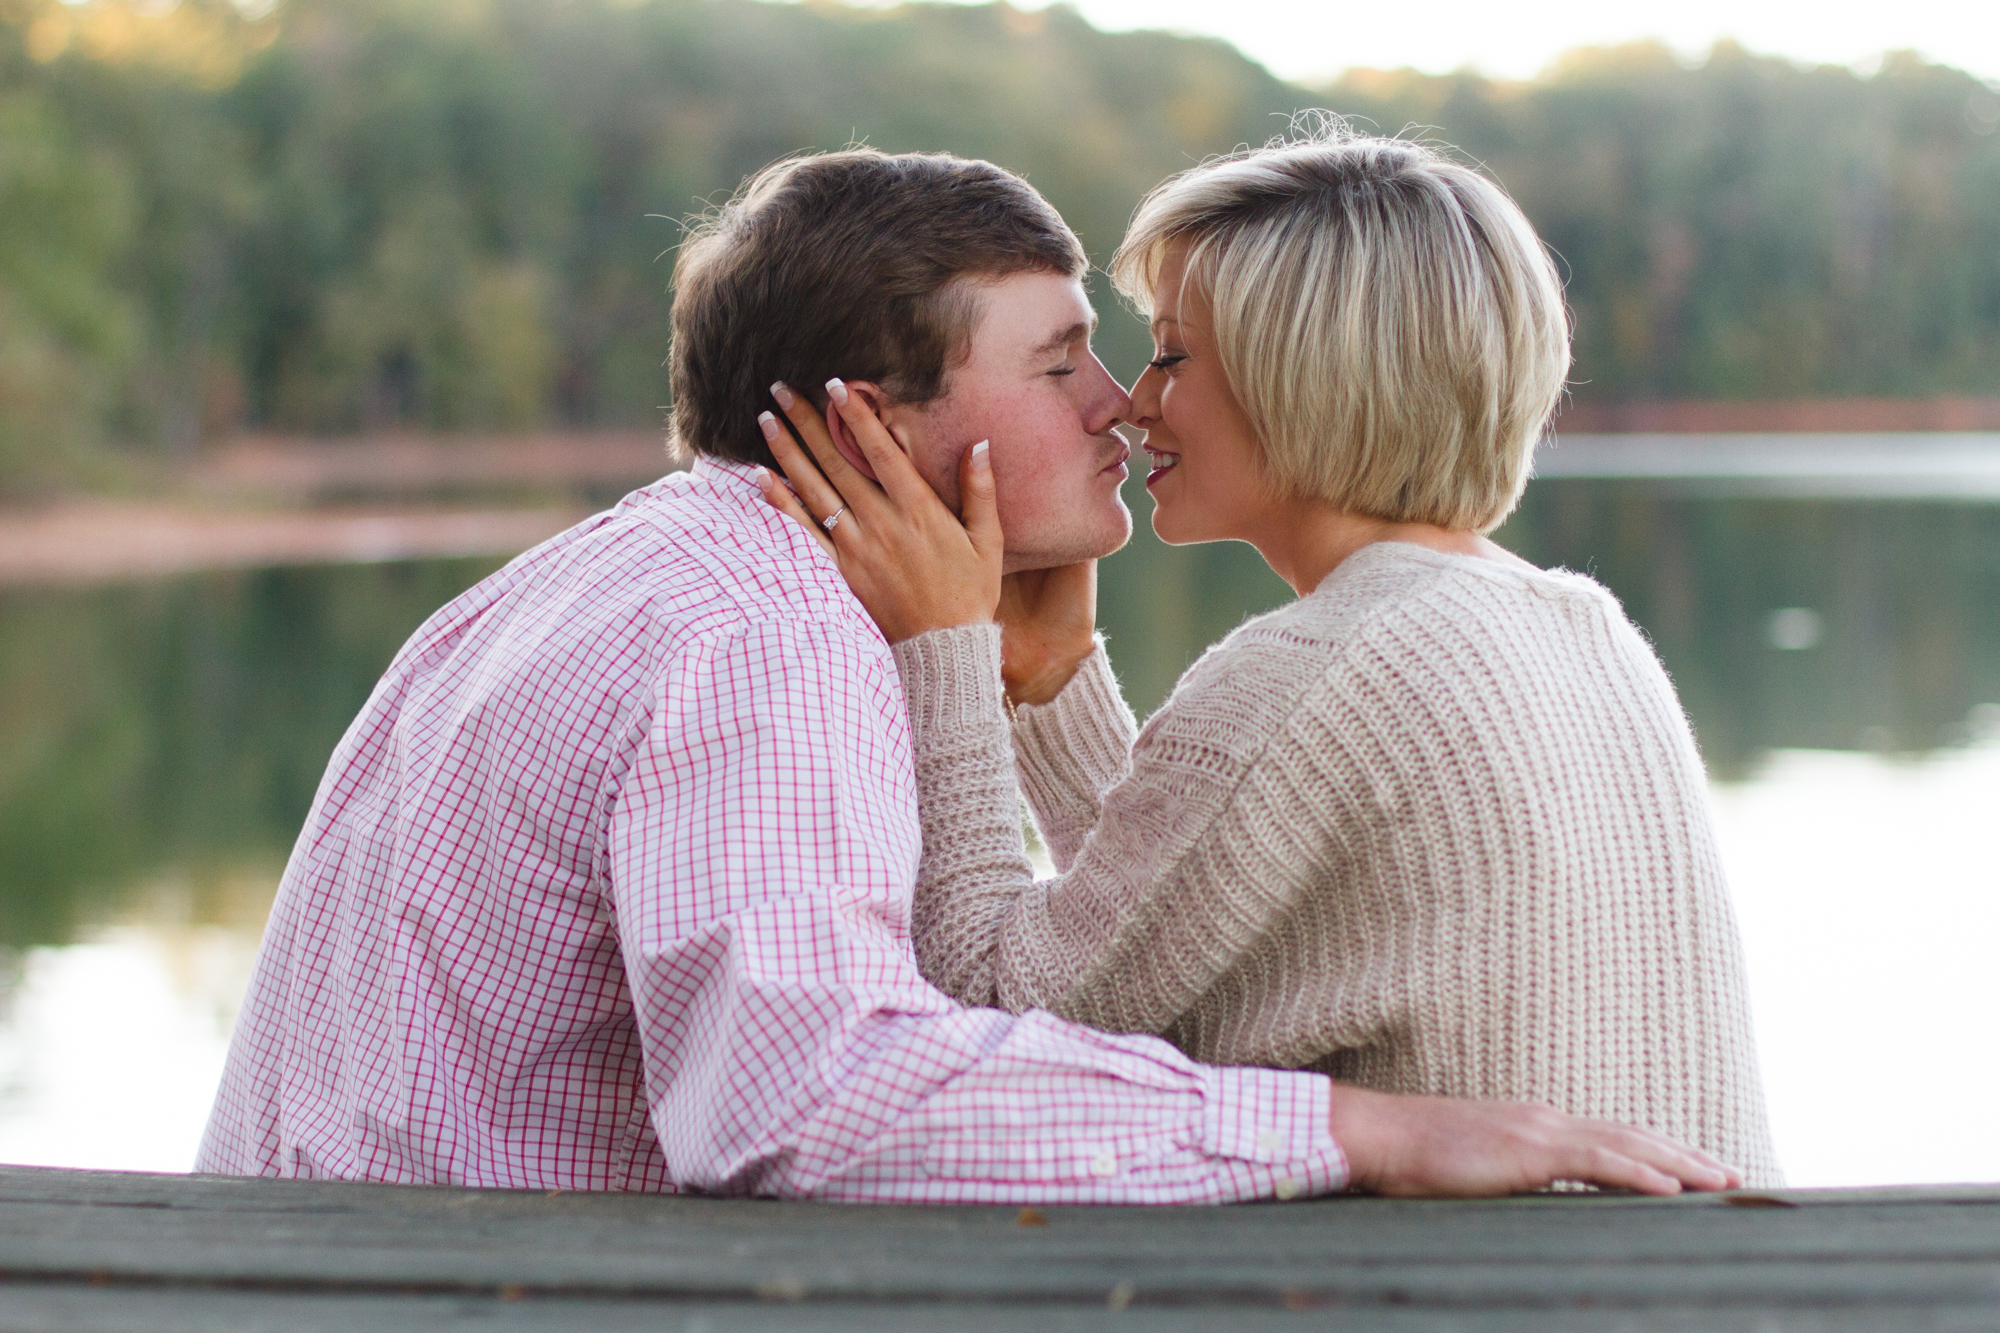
[1162, 463]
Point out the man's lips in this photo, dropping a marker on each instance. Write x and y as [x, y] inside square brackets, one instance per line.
[1117, 463]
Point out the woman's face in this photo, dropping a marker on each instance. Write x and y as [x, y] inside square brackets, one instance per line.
[1207, 479]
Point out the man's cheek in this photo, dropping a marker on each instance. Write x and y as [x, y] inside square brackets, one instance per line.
[1022, 509]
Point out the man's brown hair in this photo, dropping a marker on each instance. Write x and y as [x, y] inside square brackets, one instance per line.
[859, 264]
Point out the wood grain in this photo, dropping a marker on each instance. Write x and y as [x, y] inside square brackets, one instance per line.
[115, 1250]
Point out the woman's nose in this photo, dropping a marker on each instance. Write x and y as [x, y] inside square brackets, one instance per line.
[1144, 399]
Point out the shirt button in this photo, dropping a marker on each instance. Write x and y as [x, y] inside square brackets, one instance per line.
[1288, 1189]
[1104, 1164]
[1268, 1140]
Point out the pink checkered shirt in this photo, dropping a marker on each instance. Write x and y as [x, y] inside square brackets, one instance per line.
[608, 887]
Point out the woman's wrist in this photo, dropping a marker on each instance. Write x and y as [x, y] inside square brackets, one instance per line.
[951, 679]
[1040, 678]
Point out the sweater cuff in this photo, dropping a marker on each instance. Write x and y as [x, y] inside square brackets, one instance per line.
[1085, 733]
[951, 678]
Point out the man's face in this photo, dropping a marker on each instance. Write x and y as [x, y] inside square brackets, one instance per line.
[1032, 387]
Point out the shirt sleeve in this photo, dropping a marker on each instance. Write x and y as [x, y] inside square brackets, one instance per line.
[761, 855]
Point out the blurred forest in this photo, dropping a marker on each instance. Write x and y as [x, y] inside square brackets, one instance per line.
[337, 216]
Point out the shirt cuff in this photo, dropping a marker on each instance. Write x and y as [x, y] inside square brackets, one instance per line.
[1278, 1119]
[951, 678]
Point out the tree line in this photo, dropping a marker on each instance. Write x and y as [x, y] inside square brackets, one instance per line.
[336, 216]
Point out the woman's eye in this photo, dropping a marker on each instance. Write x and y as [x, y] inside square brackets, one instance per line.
[1167, 361]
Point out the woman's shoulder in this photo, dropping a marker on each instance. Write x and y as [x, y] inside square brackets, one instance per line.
[1400, 586]
[1426, 616]
[1412, 620]
[1397, 571]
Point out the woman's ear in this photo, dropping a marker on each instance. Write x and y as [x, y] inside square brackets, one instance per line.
[843, 438]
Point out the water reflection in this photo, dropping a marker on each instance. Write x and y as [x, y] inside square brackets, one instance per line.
[1794, 624]
[175, 731]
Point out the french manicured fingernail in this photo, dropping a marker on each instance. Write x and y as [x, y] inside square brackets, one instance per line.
[783, 393]
[979, 458]
[837, 391]
[769, 425]
[763, 476]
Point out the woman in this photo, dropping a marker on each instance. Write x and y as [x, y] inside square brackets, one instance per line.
[1439, 826]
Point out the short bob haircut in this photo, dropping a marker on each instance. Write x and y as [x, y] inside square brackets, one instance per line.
[1390, 323]
[861, 264]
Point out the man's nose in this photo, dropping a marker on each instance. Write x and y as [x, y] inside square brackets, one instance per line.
[1109, 404]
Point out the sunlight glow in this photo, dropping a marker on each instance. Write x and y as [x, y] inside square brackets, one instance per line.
[1308, 40]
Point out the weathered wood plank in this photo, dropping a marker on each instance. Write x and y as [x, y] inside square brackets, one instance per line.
[228, 1253]
[126, 1311]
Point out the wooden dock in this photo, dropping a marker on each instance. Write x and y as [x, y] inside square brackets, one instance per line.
[109, 1252]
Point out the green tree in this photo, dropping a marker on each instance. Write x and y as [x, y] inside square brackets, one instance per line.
[359, 214]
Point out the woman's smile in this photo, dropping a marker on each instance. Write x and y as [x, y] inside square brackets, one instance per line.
[1183, 401]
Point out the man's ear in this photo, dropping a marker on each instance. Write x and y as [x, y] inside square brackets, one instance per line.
[843, 438]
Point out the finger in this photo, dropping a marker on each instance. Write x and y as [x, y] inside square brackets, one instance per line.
[842, 475]
[1607, 1167]
[980, 511]
[818, 494]
[1619, 1171]
[899, 477]
[780, 498]
[1690, 1165]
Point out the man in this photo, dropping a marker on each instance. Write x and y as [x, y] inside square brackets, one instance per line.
[608, 886]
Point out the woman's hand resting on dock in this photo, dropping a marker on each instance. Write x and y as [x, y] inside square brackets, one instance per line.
[1416, 1146]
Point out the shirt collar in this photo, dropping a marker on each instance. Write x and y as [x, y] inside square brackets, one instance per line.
[724, 470]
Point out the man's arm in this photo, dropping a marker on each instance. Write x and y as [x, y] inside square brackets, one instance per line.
[762, 848]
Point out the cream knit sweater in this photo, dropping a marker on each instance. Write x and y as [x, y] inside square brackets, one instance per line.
[1439, 827]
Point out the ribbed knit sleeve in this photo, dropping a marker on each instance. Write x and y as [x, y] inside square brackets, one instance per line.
[1141, 924]
[974, 865]
[1072, 750]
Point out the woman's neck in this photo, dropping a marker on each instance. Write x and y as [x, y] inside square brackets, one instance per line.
[1304, 540]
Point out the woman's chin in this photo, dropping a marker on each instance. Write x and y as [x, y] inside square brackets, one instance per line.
[1170, 525]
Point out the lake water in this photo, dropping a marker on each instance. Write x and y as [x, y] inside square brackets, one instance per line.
[1840, 658]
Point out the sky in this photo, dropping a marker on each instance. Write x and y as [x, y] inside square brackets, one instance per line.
[1313, 39]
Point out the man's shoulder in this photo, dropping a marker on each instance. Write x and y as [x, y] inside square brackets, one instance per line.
[606, 606]
[697, 555]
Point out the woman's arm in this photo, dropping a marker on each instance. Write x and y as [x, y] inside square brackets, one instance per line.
[973, 865]
[1140, 926]
[1072, 750]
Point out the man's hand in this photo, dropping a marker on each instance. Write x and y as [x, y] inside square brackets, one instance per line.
[1415, 1146]
[1048, 619]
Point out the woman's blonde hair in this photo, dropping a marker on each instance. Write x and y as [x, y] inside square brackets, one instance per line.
[1387, 318]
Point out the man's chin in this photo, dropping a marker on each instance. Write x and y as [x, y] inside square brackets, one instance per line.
[1053, 551]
